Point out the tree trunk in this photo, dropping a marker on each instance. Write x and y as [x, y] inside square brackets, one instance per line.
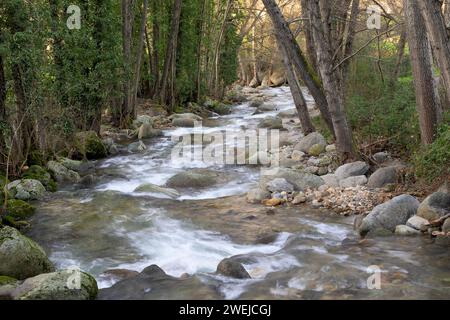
[310, 49]
[155, 41]
[422, 64]
[2, 113]
[401, 52]
[127, 33]
[439, 36]
[171, 54]
[286, 38]
[299, 99]
[320, 13]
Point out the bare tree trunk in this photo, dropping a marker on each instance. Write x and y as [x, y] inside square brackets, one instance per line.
[127, 32]
[286, 38]
[140, 52]
[439, 35]
[2, 114]
[155, 40]
[320, 13]
[198, 75]
[171, 53]
[310, 49]
[401, 53]
[299, 99]
[422, 64]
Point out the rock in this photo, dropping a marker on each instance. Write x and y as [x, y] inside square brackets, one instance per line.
[446, 226]
[299, 179]
[62, 174]
[267, 107]
[36, 172]
[186, 120]
[20, 256]
[135, 147]
[61, 285]
[310, 140]
[275, 201]
[298, 155]
[257, 195]
[195, 178]
[316, 150]
[26, 189]
[403, 230]
[221, 108]
[279, 185]
[435, 206]
[141, 120]
[87, 180]
[233, 269]
[292, 113]
[113, 149]
[81, 167]
[417, 223]
[146, 131]
[90, 146]
[381, 157]
[330, 180]
[256, 103]
[312, 169]
[357, 168]
[299, 198]
[353, 182]
[154, 284]
[153, 188]
[442, 240]
[322, 171]
[19, 210]
[387, 216]
[271, 123]
[330, 148]
[383, 177]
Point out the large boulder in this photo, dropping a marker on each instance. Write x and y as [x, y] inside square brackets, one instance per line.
[153, 188]
[291, 113]
[61, 285]
[195, 178]
[62, 174]
[20, 256]
[233, 269]
[89, 145]
[383, 177]
[435, 206]
[387, 216]
[310, 140]
[19, 210]
[418, 223]
[353, 182]
[142, 119]
[81, 167]
[146, 131]
[266, 107]
[26, 189]
[330, 180]
[279, 185]
[353, 169]
[36, 172]
[271, 123]
[299, 179]
[186, 120]
[257, 195]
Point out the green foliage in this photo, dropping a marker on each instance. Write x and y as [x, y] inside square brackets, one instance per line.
[433, 161]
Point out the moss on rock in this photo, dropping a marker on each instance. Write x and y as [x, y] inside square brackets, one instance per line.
[19, 210]
[36, 172]
[90, 146]
[4, 280]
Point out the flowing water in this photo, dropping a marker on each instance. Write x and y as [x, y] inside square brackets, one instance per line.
[312, 255]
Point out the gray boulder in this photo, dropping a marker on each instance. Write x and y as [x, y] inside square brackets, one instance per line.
[357, 168]
[435, 206]
[146, 131]
[77, 166]
[26, 189]
[186, 120]
[62, 174]
[382, 177]
[257, 195]
[267, 107]
[61, 285]
[195, 178]
[417, 223]
[292, 113]
[403, 230]
[446, 226]
[330, 180]
[353, 182]
[299, 179]
[381, 157]
[142, 119]
[271, 123]
[136, 147]
[233, 269]
[280, 185]
[387, 216]
[153, 188]
[310, 140]
[20, 256]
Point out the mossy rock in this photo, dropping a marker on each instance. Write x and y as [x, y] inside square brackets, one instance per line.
[316, 150]
[36, 172]
[5, 280]
[90, 146]
[19, 210]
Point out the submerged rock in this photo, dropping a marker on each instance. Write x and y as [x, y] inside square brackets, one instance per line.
[233, 269]
[61, 285]
[195, 178]
[387, 216]
[20, 256]
[153, 188]
[26, 189]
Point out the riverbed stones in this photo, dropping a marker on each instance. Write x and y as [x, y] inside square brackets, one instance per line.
[26, 189]
[20, 256]
[357, 168]
[195, 178]
[298, 155]
[299, 179]
[279, 185]
[316, 150]
[62, 174]
[255, 103]
[417, 223]
[353, 181]
[310, 140]
[435, 206]
[383, 177]
[387, 216]
[233, 269]
[403, 230]
[60, 285]
[271, 123]
[153, 188]
[257, 195]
